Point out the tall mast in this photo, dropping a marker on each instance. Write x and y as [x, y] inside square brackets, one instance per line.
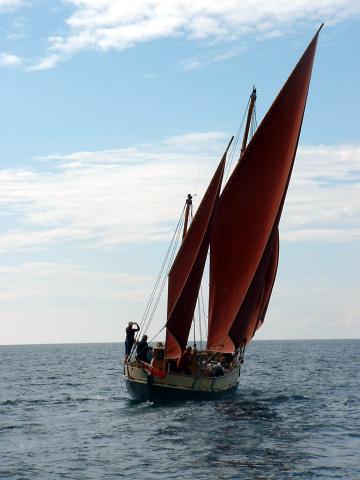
[187, 211]
[248, 121]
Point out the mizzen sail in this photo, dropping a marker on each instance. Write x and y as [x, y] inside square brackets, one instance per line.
[187, 270]
[243, 244]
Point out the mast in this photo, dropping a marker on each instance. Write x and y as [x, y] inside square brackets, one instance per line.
[187, 211]
[187, 269]
[248, 121]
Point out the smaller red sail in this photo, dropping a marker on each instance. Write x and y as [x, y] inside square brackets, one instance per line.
[188, 267]
[253, 309]
[269, 282]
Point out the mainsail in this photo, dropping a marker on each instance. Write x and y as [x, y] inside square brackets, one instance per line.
[188, 267]
[244, 242]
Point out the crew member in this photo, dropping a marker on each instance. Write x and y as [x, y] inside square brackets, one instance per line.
[185, 360]
[143, 351]
[131, 329]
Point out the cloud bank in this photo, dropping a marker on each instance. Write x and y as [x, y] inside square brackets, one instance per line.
[61, 302]
[127, 200]
[116, 197]
[108, 24]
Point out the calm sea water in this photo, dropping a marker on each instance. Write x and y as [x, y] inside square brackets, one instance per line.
[65, 414]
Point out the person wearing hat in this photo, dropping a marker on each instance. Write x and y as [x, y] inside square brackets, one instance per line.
[143, 351]
[131, 329]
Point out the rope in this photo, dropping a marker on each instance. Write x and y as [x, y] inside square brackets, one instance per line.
[158, 333]
[170, 249]
[152, 339]
[234, 145]
[161, 272]
[203, 308]
[253, 127]
[174, 249]
[253, 123]
[199, 313]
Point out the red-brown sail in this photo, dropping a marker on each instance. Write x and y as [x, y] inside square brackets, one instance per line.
[269, 281]
[187, 270]
[253, 309]
[251, 203]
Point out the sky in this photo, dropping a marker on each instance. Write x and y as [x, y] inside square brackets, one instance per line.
[111, 112]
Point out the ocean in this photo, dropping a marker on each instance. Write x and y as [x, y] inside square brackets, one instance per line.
[65, 414]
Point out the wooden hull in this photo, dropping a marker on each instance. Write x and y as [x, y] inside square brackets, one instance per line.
[142, 386]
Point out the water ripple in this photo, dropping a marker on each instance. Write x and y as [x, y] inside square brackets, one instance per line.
[65, 414]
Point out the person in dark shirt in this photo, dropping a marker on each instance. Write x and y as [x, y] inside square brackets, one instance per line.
[131, 329]
[143, 351]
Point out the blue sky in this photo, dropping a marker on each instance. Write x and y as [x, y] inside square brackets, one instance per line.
[111, 114]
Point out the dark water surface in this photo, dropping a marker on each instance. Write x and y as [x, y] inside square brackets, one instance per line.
[65, 414]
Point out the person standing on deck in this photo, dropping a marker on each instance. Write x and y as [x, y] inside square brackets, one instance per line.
[130, 338]
[185, 360]
[143, 351]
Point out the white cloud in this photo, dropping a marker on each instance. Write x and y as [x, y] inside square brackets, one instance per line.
[108, 198]
[330, 311]
[218, 57]
[44, 280]
[110, 24]
[323, 201]
[115, 198]
[58, 302]
[196, 140]
[105, 198]
[46, 63]
[9, 60]
[10, 4]
[149, 76]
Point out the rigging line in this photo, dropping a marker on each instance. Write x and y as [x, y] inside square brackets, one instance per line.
[233, 150]
[163, 282]
[146, 326]
[255, 117]
[156, 303]
[203, 307]
[199, 313]
[148, 307]
[152, 339]
[234, 146]
[194, 317]
[232, 153]
[253, 121]
[150, 301]
[146, 318]
[158, 333]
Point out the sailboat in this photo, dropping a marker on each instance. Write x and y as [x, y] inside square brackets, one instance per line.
[239, 224]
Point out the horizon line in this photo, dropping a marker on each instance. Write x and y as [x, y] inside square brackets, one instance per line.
[198, 341]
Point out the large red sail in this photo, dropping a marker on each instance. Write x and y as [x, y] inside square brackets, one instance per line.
[188, 267]
[250, 207]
